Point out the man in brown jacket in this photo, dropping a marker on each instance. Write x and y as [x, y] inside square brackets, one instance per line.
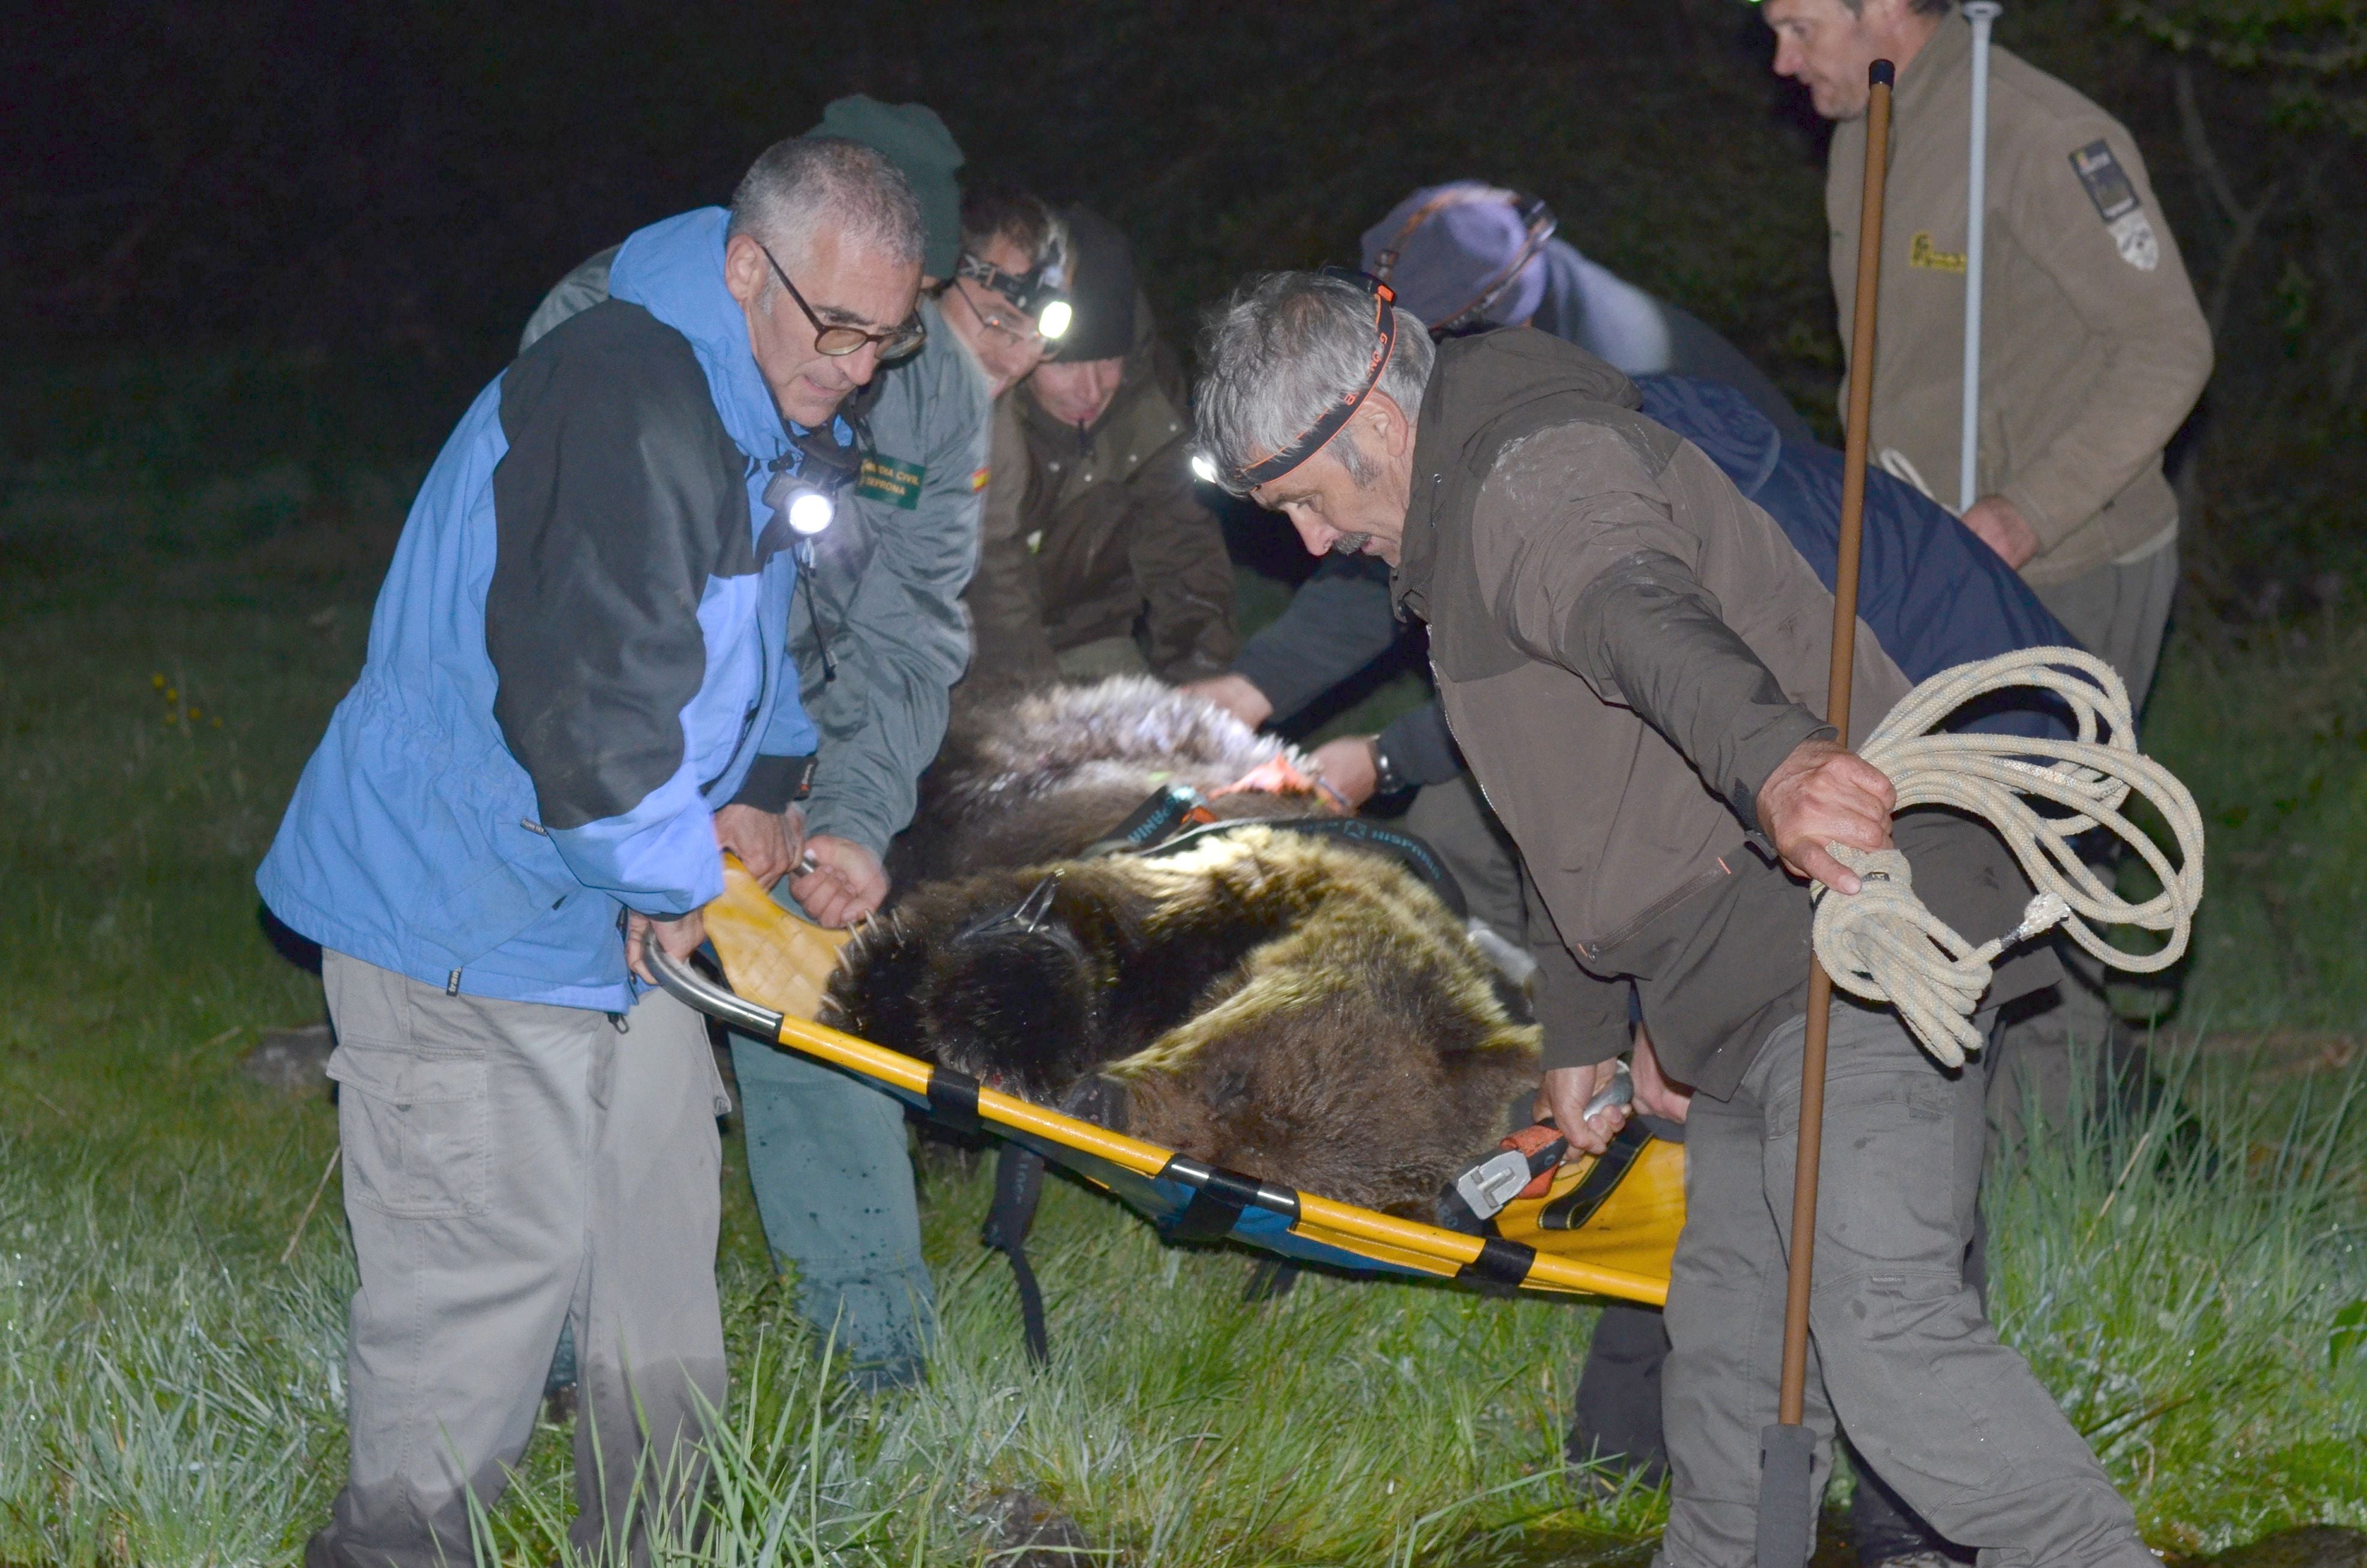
[1110, 562]
[1627, 649]
[2093, 351]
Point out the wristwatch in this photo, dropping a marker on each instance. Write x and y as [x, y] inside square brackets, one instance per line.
[1387, 779]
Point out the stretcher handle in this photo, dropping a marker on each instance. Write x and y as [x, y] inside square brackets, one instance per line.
[695, 991]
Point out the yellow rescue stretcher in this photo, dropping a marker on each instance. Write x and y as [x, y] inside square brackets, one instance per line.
[1607, 1226]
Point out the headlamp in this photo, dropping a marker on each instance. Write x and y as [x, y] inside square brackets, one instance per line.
[1040, 291]
[1536, 218]
[1204, 470]
[1334, 418]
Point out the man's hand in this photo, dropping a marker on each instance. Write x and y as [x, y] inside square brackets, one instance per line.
[846, 884]
[1235, 695]
[2003, 530]
[768, 845]
[1823, 794]
[1563, 1095]
[1656, 1093]
[680, 938]
[1347, 764]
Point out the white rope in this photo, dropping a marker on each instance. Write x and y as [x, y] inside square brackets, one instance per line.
[1884, 946]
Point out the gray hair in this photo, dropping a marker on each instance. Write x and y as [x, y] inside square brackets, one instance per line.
[800, 185]
[1282, 349]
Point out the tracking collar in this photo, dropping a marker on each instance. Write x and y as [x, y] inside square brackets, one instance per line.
[1310, 441]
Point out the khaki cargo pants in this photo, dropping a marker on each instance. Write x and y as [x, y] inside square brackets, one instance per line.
[508, 1167]
[1903, 1359]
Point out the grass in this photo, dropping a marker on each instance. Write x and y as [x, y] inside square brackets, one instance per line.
[173, 1388]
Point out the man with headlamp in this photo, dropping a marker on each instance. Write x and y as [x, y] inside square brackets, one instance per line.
[878, 634]
[1108, 564]
[1627, 649]
[576, 697]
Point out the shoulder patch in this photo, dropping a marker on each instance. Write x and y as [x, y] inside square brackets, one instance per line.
[2116, 202]
[891, 480]
[980, 478]
[2108, 185]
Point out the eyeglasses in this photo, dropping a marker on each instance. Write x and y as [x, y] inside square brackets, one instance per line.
[838, 341]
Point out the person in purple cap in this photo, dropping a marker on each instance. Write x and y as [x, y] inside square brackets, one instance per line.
[1467, 255]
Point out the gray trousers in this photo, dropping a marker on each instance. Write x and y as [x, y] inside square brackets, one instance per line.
[2119, 613]
[826, 1155]
[510, 1167]
[1903, 1357]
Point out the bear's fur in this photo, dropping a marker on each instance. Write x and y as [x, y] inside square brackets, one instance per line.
[1028, 777]
[1306, 1012]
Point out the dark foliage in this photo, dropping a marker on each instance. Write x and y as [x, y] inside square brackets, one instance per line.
[390, 187]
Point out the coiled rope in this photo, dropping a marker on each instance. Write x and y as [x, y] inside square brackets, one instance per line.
[1883, 945]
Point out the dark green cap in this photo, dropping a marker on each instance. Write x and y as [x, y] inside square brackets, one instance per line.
[1100, 290]
[915, 140]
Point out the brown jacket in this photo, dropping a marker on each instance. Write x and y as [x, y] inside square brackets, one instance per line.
[1108, 531]
[1625, 647]
[2092, 347]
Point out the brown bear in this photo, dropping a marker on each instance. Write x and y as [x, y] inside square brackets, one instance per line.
[1292, 1006]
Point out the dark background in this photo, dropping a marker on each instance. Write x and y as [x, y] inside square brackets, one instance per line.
[238, 232]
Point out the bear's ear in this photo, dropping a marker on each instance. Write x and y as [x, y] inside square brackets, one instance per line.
[1013, 1000]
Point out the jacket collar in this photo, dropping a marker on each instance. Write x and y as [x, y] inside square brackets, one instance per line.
[673, 269]
[1943, 60]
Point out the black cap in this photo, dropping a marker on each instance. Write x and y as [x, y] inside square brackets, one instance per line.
[1100, 290]
[1881, 74]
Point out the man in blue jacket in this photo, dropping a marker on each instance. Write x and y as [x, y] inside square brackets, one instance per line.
[577, 693]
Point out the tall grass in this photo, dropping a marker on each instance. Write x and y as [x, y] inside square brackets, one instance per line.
[170, 1390]
[2176, 1279]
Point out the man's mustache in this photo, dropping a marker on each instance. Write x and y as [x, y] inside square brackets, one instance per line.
[1351, 544]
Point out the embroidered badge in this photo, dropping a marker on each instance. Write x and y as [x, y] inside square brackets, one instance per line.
[2133, 233]
[978, 478]
[2115, 197]
[891, 480]
[1922, 253]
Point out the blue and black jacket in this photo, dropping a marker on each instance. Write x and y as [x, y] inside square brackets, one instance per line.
[579, 653]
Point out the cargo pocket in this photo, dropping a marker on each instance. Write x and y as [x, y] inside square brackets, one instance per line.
[417, 1130]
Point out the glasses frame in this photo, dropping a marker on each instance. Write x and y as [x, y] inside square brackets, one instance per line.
[1031, 337]
[894, 344]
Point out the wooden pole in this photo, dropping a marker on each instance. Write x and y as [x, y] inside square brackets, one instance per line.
[1787, 1521]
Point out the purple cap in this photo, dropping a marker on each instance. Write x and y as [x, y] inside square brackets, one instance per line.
[1456, 252]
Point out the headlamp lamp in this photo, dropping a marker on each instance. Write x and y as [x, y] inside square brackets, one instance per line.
[1040, 291]
[805, 506]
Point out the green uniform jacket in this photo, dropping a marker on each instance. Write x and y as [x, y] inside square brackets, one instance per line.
[2092, 347]
[1109, 536]
[885, 594]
